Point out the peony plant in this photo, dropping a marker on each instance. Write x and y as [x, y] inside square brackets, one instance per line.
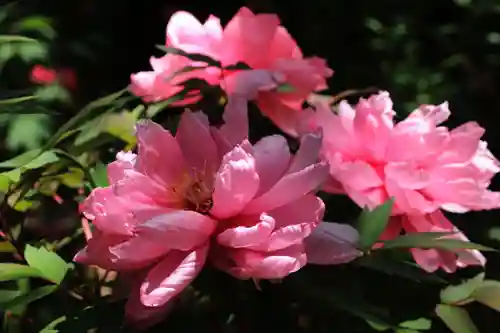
[203, 195]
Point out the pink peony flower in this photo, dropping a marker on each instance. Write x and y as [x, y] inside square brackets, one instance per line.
[184, 32]
[257, 40]
[203, 194]
[45, 76]
[423, 166]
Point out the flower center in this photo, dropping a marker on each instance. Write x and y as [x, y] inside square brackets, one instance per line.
[198, 197]
[194, 193]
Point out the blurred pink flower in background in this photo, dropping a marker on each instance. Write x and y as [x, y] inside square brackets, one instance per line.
[256, 40]
[173, 206]
[45, 76]
[423, 166]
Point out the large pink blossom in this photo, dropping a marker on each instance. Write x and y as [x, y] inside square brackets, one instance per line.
[425, 167]
[255, 39]
[203, 194]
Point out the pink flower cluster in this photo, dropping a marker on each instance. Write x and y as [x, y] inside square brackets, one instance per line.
[173, 206]
[259, 41]
[425, 167]
[207, 195]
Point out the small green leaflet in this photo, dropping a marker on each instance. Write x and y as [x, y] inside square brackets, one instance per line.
[432, 240]
[462, 292]
[371, 224]
[420, 324]
[488, 293]
[457, 319]
[16, 38]
[32, 296]
[100, 175]
[192, 56]
[51, 266]
[21, 160]
[11, 271]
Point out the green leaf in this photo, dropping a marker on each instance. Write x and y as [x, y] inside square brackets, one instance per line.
[461, 293]
[194, 84]
[7, 247]
[420, 324]
[154, 109]
[7, 52]
[22, 205]
[121, 125]
[378, 326]
[100, 175]
[30, 52]
[432, 240]
[5, 182]
[40, 24]
[51, 327]
[9, 177]
[37, 125]
[86, 111]
[73, 178]
[52, 92]
[17, 100]
[45, 158]
[21, 160]
[457, 319]
[50, 265]
[192, 56]
[8, 295]
[488, 293]
[26, 299]
[392, 266]
[371, 224]
[238, 66]
[16, 38]
[186, 69]
[9, 271]
[285, 88]
[90, 131]
[494, 233]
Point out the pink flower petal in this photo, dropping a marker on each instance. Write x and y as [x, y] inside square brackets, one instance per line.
[407, 176]
[169, 277]
[247, 37]
[282, 115]
[113, 214]
[308, 152]
[463, 144]
[294, 222]
[272, 158]
[154, 144]
[198, 147]
[101, 247]
[266, 265]
[137, 251]
[357, 175]
[247, 84]
[235, 184]
[184, 29]
[289, 188]
[235, 128]
[248, 231]
[180, 229]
